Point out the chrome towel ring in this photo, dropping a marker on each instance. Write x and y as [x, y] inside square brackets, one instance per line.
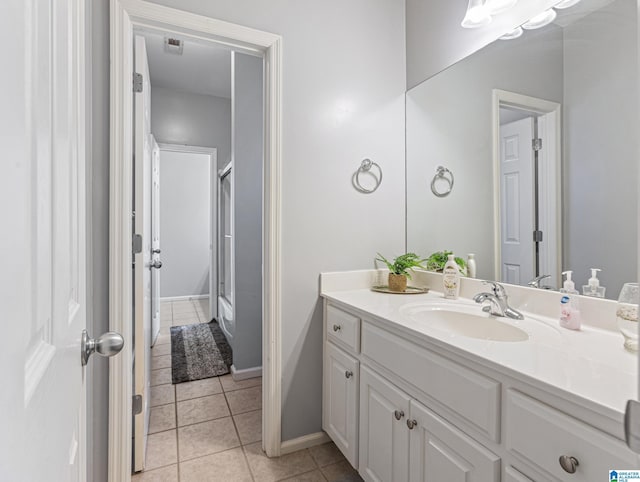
[441, 173]
[365, 167]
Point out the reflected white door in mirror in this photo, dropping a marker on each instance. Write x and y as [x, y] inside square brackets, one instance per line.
[527, 198]
[405, 400]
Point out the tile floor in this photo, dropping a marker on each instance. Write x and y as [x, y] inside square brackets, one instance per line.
[210, 430]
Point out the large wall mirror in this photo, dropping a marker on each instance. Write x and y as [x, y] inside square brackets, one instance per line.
[541, 135]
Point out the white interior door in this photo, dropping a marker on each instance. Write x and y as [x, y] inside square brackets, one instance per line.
[142, 260]
[155, 239]
[43, 246]
[516, 198]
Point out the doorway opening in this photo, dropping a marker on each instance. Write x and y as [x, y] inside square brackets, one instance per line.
[527, 203]
[201, 248]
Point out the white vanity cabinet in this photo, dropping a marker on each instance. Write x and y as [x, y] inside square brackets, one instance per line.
[402, 410]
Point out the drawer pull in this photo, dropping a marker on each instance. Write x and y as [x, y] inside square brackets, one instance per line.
[398, 414]
[569, 464]
[348, 374]
[411, 424]
[337, 327]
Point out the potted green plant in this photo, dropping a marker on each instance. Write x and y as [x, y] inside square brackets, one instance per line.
[399, 269]
[437, 260]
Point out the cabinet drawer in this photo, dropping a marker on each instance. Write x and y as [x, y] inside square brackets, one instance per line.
[541, 434]
[343, 328]
[472, 396]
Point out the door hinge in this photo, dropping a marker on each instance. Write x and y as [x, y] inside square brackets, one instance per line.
[537, 236]
[137, 244]
[137, 82]
[536, 144]
[137, 404]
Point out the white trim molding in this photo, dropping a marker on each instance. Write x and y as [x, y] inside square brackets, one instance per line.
[126, 16]
[304, 442]
[184, 298]
[550, 172]
[245, 373]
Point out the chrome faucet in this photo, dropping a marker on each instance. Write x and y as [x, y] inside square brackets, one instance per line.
[498, 301]
[535, 282]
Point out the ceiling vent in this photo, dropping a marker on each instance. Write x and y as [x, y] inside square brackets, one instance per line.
[173, 45]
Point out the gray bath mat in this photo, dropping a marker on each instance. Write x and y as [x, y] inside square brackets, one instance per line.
[199, 351]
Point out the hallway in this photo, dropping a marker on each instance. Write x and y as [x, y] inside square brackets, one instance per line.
[210, 430]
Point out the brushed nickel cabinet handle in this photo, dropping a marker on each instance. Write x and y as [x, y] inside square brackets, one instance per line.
[348, 374]
[337, 327]
[569, 464]
[398, 414]
[411, 424]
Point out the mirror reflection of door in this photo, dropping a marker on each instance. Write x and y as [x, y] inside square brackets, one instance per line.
[518, 210]
[527, 164]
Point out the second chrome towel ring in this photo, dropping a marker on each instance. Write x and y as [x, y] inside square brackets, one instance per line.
[366, 167]
[442, 173]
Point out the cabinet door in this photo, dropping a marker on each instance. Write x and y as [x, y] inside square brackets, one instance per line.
[439, 451]
[341, 401]
[384, 435]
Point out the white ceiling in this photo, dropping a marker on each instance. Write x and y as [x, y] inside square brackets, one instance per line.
[203, 67]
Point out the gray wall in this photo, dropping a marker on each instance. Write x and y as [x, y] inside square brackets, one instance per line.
[184, 223]
[98, 237]
[192, 119]
[247, 192]
[343, 100]
[449, 123]
[435, 39]
[601, 163]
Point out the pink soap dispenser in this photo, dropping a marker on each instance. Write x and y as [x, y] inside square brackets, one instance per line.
[569, 307]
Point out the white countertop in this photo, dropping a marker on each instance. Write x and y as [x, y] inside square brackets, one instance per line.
[590, 364]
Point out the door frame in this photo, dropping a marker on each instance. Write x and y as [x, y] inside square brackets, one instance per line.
[125, 16]
[550, 129]
[212, 152]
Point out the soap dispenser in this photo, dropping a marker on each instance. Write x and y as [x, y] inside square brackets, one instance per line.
[593, 287]
[569, 307]
[451, 278]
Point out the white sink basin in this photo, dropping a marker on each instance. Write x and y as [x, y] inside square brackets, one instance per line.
[466, 320]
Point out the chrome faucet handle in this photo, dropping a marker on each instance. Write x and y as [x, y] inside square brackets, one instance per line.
[535, 282]
[497, 288]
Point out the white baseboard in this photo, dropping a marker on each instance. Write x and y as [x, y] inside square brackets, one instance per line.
[303, 442]
[245, 373]
[184, 298]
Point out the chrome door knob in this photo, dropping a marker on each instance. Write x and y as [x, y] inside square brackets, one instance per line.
[156, 263]
[108, 344]
[569, 464]
[156, 251]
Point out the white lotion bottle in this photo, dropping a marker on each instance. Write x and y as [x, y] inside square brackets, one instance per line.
[569, 307]
[471, 265]
[451, 279]
[593, 287]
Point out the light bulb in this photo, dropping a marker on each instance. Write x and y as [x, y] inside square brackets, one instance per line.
[541, 20]
[477, 15]
[497, 7]
[566, 4]
[515, 33]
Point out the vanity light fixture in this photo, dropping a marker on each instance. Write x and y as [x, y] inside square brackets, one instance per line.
[515, 33]
[541, 20]
[477, 15]
[566, 4]
[497, 7]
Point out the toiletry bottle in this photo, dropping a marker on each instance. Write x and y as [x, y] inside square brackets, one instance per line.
[451, 279]
[569, 307]
[593, 287]
[471, 265]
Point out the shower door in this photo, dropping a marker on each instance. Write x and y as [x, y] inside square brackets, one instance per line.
[225, 253]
